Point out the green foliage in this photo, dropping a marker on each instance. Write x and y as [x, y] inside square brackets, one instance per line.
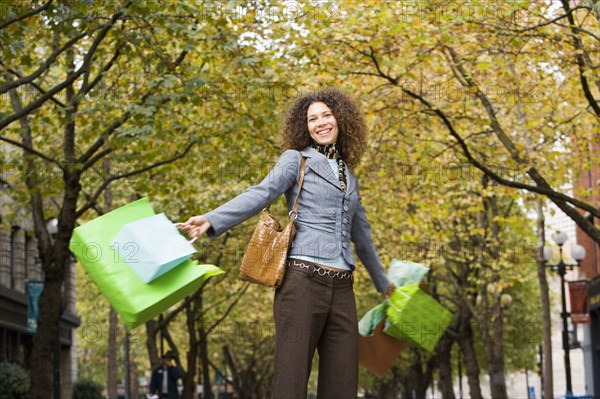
[87, 389]
[15, 381]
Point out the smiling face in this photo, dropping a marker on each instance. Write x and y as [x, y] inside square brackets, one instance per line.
[322, 125]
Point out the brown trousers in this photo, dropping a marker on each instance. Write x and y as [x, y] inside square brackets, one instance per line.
[315, 312]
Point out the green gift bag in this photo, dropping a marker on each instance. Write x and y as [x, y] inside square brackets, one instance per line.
[105, 262]
[415, 317]
[400, 273]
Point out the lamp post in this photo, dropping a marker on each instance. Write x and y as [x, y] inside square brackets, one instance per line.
[52, 228]
[577, 253]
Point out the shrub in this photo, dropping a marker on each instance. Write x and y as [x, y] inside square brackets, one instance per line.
[15, 381]
[87, 389]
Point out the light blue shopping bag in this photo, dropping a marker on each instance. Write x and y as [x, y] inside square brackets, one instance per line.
[152, 246]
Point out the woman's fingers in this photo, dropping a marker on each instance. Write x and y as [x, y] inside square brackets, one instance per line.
[183, 227]
[204, 228]
[194, 226]
[389, 290]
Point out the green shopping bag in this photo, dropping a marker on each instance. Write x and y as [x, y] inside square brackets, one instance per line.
[415, 317]
[400, 273]
[136, 302]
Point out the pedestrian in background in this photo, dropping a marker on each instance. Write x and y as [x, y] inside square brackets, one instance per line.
[163, 383]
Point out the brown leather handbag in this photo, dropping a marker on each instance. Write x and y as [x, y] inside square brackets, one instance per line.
[265, 259]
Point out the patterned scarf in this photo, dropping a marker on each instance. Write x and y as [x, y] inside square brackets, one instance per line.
[331, 152]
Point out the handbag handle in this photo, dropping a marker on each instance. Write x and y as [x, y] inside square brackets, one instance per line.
[294, 210]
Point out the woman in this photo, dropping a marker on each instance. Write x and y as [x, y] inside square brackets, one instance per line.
[314, 308]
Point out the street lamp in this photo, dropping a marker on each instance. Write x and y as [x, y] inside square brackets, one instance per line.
[577, 253]
[52, 228]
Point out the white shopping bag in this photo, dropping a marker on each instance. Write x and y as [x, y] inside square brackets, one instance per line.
[152, 246]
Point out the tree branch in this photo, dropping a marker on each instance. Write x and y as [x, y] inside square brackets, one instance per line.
[542, 185]
[546, 191]
[85, 64]
[529, 28]
[84, 158]
[191, 298]
[86, 88]
[26, 15]
[495, 124]
[227, 311]
[34, 85]
[30, 150]
[580, 61]
[32, 182]
[96, 158]
[109, 180]
[47, 64]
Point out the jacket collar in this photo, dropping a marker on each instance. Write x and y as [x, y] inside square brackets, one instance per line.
[320, 165]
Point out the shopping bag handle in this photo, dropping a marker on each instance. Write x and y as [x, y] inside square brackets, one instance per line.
[390, 303]
[190, 241]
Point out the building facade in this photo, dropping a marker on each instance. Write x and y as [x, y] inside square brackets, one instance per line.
[20, 264]
[587, 180]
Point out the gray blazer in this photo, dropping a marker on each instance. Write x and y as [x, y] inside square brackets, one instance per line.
[327, 218]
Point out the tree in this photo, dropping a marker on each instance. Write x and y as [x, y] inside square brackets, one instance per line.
[470, 67]
[61, 81]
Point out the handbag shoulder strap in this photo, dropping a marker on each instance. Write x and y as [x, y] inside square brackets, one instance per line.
[300, 181]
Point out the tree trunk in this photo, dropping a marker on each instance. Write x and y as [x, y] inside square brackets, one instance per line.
[443, 353]
[51, 300]
[189, 385]
[113, 321]
[111, 380]
[151, 332]
[465, 341]
[388, 387]
[443, 357]
[42, 356]
[548, 387]
[133, 381]
[235, 376]
[51, 307]
[491, 310]
[495, 348]
[495, 354]
[417, 380]
[206, 383]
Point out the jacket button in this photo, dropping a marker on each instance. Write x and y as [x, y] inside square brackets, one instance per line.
[346, 208]
[344, 233]
[344, 245]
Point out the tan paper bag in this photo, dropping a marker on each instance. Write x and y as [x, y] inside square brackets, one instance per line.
[379, 351]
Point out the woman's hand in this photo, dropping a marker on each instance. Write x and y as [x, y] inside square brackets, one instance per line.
[388, 291]
[195, 226]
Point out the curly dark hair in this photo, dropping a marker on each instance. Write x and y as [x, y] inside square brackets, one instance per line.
[352, 136]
